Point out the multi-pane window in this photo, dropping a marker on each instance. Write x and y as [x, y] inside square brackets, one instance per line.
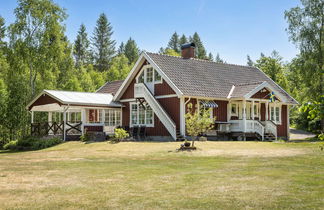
[149, 75]
[275, 113]
[141, 115]
[112, 117]
[74, 117]
[134, 114]
[256, 110]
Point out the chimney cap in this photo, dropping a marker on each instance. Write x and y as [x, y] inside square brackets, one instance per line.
[188, 45]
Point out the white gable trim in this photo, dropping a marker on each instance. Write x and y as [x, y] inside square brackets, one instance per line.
[134, 71]
[269, 87]
[278, 86]
[44, 92]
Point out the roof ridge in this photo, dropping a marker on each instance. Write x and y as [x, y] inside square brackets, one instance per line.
[249, 83]
[202, 60]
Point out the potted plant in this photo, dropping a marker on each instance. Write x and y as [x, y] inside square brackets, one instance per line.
[187, 143]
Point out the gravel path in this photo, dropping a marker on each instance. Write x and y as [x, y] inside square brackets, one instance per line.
[299, 134]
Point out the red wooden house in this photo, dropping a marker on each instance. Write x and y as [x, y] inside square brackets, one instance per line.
[155, 94]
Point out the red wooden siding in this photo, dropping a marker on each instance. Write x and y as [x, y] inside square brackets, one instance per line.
[282, 129]
[221, 111]
[129, 92]
[263, 95]
[172, 107]
[43, 100]
[263, 111]
[163, 89]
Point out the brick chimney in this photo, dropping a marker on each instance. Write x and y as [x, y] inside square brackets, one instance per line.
[188, 50]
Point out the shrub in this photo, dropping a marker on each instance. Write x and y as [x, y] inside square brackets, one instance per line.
[11, 145]
[32, 143]
[120, 134]
[321, 137]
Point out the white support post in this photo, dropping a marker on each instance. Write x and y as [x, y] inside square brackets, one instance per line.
[266, 111]
[64, 124]
[50, 120]
[182, 117]
[244, 118]
[252, 114]
[32, 117]
[229, 111]
[83, 120]
[288, 124]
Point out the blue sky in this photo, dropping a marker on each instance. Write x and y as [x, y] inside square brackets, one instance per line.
[233, 28]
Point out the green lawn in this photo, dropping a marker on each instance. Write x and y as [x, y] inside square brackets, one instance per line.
[223, 175]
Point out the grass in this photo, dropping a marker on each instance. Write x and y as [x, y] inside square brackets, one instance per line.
[128, 175]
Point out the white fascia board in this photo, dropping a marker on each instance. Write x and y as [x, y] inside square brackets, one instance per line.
[44, 92]
[231, 91]
[265, 85]
[278, 85]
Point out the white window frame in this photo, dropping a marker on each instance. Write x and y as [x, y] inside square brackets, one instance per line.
[211, 110]
[115, 114]
[274, 106]
[236, 109]
[144, 69]
[137, 116]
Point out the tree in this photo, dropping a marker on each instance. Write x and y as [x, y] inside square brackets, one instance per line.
[37, 40]
[121, 48]
[174, 42]
[131, 51]
[197, 121]
[306, 31]
[103, 45]
[218, 59]
[183, 40]
[200, 49]
[249, 61]
[2, 31]
[81, 46]
[119, 68]
[210, 57]
[273, 66]
[171, 52]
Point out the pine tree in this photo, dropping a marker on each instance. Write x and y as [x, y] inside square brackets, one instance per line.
[200, 49]
[210, 57]
[161, 50]
[174, 42]
[103, 45]
[218, 59]
[81, 46]
[183, 40]
[131, 50]
[121, 49]
[249, 61]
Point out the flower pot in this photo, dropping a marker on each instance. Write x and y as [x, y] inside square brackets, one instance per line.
[187, 144]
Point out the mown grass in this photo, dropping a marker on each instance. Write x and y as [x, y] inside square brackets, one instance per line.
[223, 175]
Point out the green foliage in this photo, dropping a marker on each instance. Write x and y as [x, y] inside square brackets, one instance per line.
[174, 43]
[121, 134]
[84, 137]
[81, 46]
[218, 59]
[103, 45]
[321, 137]
[198, 121]
[131, 51]
[183, 40]
[171, 52]
[31, 143]
[249, 61]
[119, 68]
[200, 49]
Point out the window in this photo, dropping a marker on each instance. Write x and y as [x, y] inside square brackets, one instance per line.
[234, 110]
[74, 117]
[141, 115]
[256, 110]
[112, 117]
[148, 75]
[157, 76]
[275, 113]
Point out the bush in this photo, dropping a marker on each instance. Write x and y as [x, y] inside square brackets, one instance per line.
[11, 145]
[32, 143]
[321, 137]
[120, 134]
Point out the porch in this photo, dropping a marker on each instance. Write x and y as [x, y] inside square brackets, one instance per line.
[52, 114]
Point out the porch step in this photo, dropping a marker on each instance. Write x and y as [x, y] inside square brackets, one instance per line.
[179, 136]
[269, 137]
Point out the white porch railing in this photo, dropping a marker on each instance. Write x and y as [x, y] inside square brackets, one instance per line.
[259, 129]
[141, 91]
[270, 127]
[252, 126]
